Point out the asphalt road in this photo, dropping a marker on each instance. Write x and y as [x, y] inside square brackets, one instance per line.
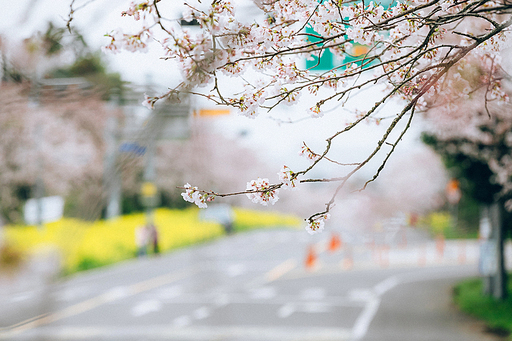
[256, 287]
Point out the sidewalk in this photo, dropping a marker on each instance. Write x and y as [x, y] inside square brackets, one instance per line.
[401, 251]
[423, 311]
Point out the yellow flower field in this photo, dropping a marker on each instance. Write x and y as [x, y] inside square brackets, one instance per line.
[86, 245]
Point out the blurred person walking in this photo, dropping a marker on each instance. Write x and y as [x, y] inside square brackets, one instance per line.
[141, 240]
[153, 234]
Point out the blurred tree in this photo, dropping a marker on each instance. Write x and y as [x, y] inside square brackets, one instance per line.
[475, 139]
[92, 67]
[52, 38]
[53, 128]
[478, 182]
[61, 139]
[206, 156]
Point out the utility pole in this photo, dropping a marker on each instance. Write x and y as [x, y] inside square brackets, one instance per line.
[149, 189]
[39, 185]
[111, 175]
[34, 104]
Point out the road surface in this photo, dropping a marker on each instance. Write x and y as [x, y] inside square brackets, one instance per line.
[258, 286]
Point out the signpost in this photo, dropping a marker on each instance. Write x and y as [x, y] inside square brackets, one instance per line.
[43, 210]
[138, 137]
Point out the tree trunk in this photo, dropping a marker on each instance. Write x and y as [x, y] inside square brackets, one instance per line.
[495, 280]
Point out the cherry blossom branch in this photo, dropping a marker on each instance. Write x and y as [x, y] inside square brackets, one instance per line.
[72, 13]
[412, 47]
[411, 107]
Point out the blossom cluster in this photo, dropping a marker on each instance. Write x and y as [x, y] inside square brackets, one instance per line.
[317, 224]
[149, 101]
[136, 9]
[261, 192]
[306, 152]
[477, 125]
[130, 42]
[195, 196]
[288, 178]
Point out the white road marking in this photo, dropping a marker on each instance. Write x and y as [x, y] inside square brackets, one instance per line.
[146, 307]
[304, 307]
[91, 304]
[236, 270]
[286, 310]
[71, 294]
[201, 313]
[222, 300]
[372, 297]
[117, 293]
[182, 321]
[365, 318]
[170, 292]
[263, 293]
[315, 307]
[23, 296]
[315, 293]
[364, 295]
[386, 285]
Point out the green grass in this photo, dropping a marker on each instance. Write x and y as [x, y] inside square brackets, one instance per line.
[443, 223]
[469, 297]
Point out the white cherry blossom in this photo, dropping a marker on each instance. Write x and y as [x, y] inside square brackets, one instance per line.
[195, 196]
[317, 224]
[288, 177]
[260, 191]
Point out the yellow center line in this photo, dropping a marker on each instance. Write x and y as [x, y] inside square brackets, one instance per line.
[280, 270]
[23, 322]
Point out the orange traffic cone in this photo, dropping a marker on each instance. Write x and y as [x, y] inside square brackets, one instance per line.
[334, 243]
[310, 258]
